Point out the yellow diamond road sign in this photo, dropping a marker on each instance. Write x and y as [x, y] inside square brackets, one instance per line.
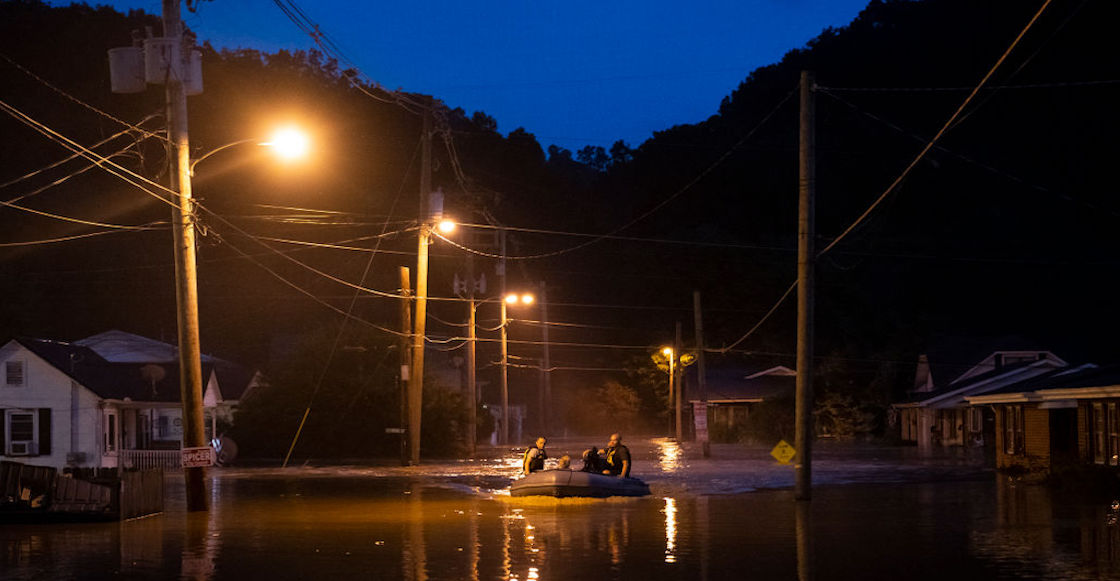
[783, 452]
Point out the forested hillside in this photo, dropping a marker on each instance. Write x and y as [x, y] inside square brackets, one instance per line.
[1006, 227]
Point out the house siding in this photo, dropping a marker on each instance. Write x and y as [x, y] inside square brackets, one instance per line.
[1035, 455]
[48, 388]
[1083, 433]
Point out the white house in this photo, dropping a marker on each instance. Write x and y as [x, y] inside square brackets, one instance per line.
[106, 401]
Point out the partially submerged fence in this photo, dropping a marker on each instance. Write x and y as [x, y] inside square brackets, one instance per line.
[28, 492]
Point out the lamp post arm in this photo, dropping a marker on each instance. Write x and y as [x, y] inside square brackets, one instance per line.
[216, 150]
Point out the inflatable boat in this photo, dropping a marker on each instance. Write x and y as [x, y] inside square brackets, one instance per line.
[564, 483]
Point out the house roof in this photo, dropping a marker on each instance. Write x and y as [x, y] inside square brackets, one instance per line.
[121, 347]
[1085, 381]
[950, 357]
[743, 385]
[119, 365]
[991, 381]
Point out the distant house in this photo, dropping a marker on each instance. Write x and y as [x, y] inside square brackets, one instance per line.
[937, 414]
[733, 393]
[111, 400]
[1064, 418]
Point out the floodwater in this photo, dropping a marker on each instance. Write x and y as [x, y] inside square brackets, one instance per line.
[876, 513]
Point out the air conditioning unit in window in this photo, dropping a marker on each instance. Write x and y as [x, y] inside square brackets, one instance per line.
[22, 448]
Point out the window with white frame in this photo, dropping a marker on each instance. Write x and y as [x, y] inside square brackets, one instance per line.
[15, 374]
[22, 426]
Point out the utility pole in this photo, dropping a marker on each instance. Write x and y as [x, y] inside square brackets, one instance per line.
[803, 431]
[472, 384]
[546, 362]
[404, 352]
[701, 415]
[505, 350]
[186, 274]
[416, 382]
[677, 383]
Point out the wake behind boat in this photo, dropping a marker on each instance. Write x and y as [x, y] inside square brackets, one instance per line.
[566, 483]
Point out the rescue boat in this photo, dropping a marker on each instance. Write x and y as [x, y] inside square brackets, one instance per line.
[566, 483]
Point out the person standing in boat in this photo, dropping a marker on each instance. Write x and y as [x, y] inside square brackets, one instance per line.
[534, 457]
[618, 458]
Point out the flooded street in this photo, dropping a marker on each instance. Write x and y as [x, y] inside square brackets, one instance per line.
[876, 513]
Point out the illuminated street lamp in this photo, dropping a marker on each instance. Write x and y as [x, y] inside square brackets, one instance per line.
[671, 361]
[287, 143]
[187, 274]
[511, 299]
[668, 353]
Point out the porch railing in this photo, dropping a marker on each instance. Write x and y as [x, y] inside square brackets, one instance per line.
[146, 459]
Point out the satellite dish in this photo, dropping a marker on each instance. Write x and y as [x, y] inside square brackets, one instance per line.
[153, 374]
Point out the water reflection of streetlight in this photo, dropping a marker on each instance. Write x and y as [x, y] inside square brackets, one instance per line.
[670, 511]
[669, 454]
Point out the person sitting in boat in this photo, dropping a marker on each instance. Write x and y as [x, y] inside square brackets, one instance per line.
[593, 461]
[534, 457]
[618, 458]
[565, 463]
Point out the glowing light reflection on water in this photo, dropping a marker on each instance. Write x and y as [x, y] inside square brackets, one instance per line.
[443, 521]
[670, 456]
[670, 511]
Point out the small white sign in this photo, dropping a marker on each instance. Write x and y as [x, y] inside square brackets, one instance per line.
[198, 457]
[394, 430]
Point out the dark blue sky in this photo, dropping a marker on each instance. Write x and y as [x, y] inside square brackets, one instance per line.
[571, 73]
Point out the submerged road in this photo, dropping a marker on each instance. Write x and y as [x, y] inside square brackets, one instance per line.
[876, 514]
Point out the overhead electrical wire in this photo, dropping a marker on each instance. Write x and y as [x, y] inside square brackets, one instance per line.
[68, 158]
[966, 159]
[100, 160]
[342, 325]
[679, 192]
[54, 88]
[940, 133]
[932, 142]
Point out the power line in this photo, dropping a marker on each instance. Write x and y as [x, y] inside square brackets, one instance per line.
[941, 132]
[51, 86]
[688, 186]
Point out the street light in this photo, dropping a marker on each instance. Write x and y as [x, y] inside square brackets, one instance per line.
[511, 299]
[672, 361]
[668, 353]
[187, 296]
[287, 143]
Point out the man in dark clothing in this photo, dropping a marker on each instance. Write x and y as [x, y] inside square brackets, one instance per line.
[618, 458]
[534, 457]
[592, 461]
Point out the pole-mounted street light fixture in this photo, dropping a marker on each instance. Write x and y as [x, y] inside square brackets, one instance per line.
[669, 360]
[511, 299]
[287, 143]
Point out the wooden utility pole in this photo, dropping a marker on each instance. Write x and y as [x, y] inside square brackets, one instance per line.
[405, 354]
[416, 381]
[546, 363]
[803, 432]
[472, 383]
[677, 383]
[186, 274]
[504, 433]
[700, 415]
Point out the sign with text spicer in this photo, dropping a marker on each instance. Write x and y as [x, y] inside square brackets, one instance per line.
[198, 457]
